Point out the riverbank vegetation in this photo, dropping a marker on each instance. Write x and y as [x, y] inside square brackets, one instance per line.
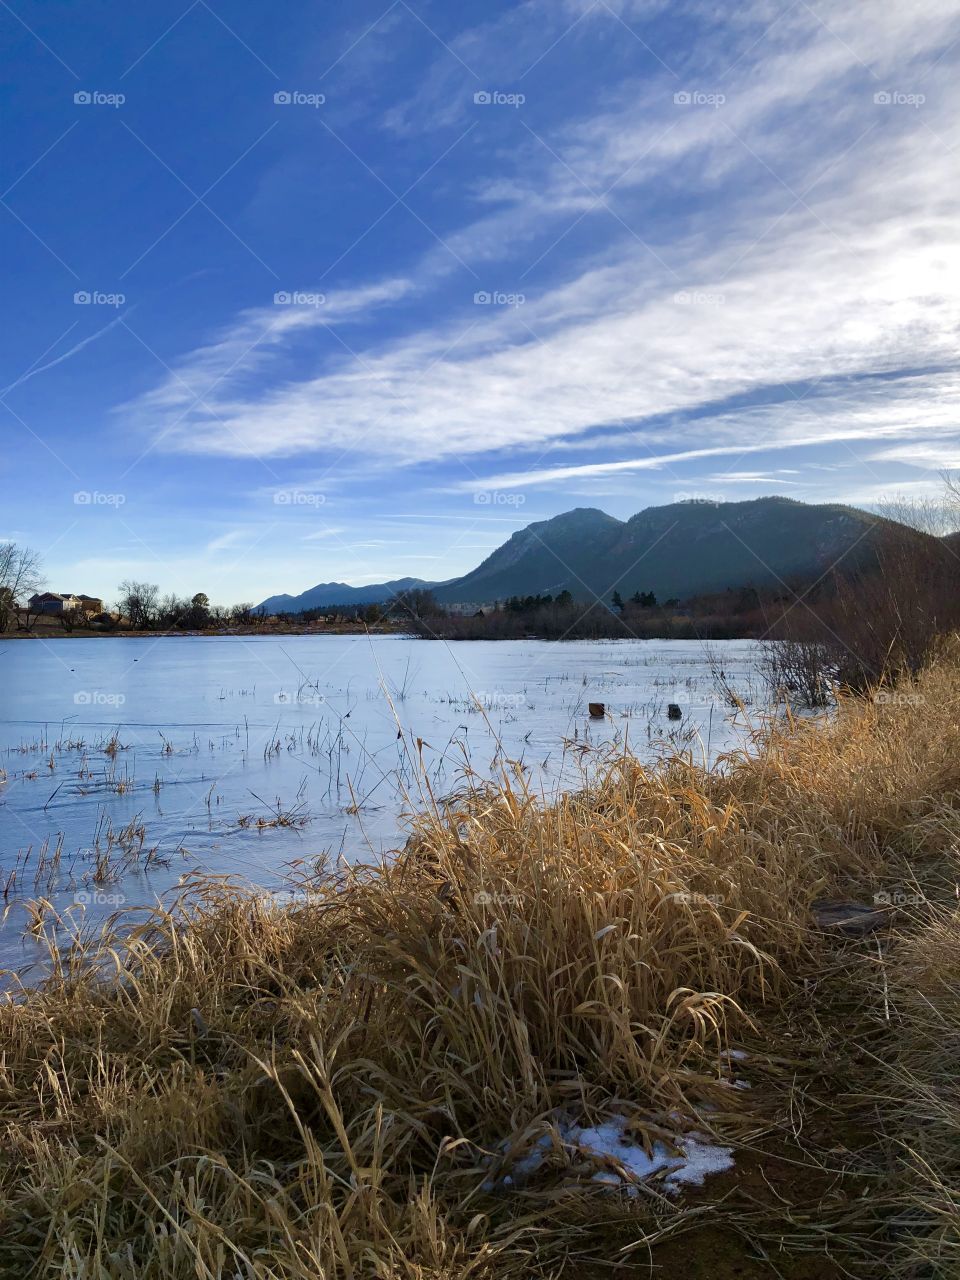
[384, 1072]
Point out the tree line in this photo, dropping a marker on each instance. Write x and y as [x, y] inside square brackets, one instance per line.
[140, 605]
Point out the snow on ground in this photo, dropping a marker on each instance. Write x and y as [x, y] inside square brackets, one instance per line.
[623, 1160]
[696, 1158]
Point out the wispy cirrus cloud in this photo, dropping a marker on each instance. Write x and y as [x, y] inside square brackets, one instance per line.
[812, 239]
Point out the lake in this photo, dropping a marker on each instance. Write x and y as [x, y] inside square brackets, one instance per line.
[128, 762]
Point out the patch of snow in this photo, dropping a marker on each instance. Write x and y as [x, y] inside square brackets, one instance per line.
[695, 1159]
[626, 1159]
[700, 1158]
[532, 1161]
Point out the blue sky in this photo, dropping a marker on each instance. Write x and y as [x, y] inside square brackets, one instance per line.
[352, 291]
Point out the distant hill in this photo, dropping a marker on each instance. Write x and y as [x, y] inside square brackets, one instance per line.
[329, 593]
[683, 549]
[680, 550]
[571, 551]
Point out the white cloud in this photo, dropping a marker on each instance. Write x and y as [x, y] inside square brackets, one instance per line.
[319, 534]
[228, 541]
[928, 403]
[847, 266]
[875, 495]
[935, 455]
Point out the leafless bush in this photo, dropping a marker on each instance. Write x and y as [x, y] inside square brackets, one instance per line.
[803, 671]
[875, 621]
[884, 622]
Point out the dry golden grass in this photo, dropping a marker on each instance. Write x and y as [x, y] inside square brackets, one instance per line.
[322, 1088]
[922, 1102]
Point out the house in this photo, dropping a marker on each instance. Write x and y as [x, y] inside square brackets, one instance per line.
[54, 602]
[60, 602]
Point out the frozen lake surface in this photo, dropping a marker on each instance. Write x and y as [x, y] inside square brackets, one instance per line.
[238, 755]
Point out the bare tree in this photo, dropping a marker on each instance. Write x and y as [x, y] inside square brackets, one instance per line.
[416, 604]
[138, 603]
[951, 496]
[935, 516]
[20, 578]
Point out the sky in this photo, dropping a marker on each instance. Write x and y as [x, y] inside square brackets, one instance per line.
[351, 291]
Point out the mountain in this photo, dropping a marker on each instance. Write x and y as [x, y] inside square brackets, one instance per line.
[683, 549]
[680, 550]
[566, 552]
[327, 593]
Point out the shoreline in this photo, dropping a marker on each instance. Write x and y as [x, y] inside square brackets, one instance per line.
[553, 998]
[89, 633]
[407, 631]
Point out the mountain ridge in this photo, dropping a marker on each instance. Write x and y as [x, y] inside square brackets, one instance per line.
[331, 593]
[678, 550]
